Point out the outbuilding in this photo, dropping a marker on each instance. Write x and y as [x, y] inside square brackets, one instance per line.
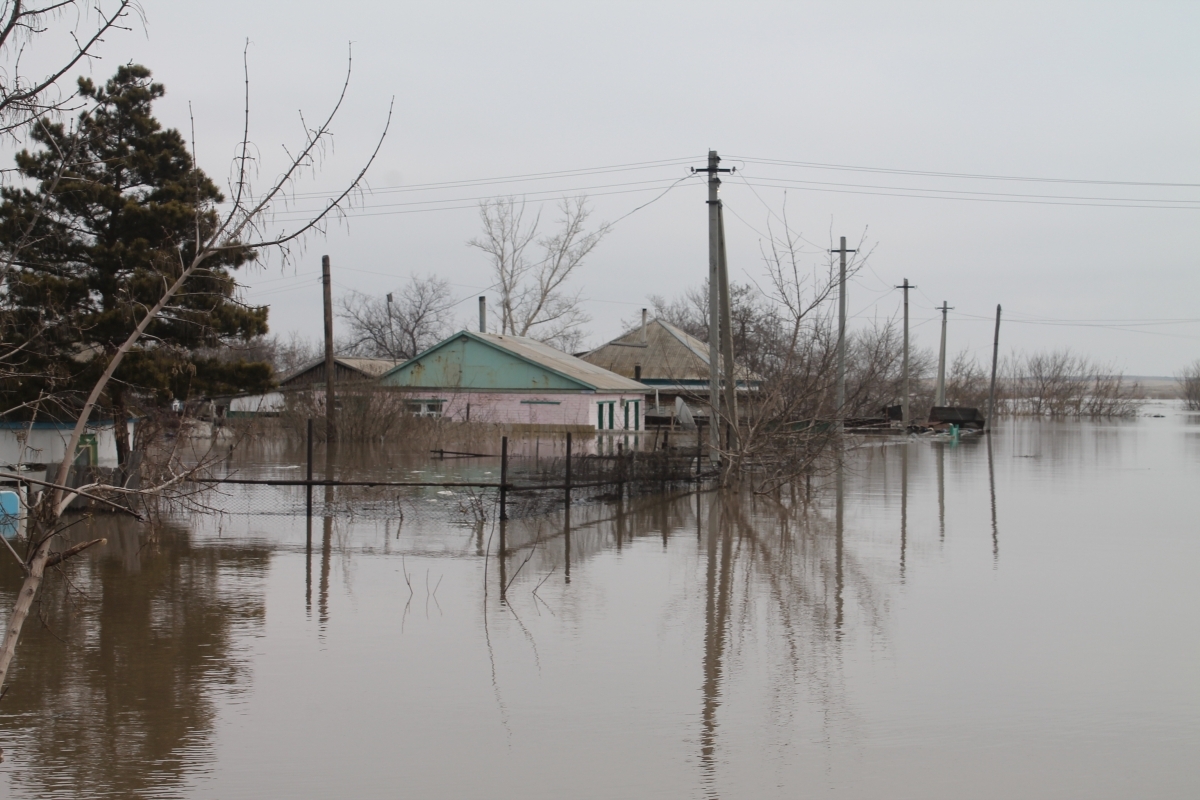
[519, 382]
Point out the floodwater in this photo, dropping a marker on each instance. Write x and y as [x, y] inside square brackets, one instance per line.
[959, 620]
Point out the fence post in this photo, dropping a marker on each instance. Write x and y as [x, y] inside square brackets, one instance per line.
[308, 488]
[503, 477]
[568, 497]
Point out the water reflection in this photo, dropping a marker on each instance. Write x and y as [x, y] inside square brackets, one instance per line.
[116, 694]
[992, 492]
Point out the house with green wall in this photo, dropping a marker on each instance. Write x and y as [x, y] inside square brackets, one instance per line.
[517, 381]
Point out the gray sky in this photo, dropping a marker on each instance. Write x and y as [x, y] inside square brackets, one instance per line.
[1081, 91]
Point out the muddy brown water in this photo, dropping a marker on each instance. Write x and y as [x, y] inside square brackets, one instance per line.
[1013, 621]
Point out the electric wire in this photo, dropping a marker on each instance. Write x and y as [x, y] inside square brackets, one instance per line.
[956, 175]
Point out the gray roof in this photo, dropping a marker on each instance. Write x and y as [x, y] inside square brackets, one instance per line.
[566, 364]
[668, 354]
[367, 367]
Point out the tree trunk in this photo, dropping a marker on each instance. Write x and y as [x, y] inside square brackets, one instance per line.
[120, 427]
[29, 590]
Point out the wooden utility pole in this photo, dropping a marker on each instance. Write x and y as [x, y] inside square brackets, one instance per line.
[841, 341]
[731, 409]
[714, 302]
[330, 374]
[940, 396]
[987, 423]
[904, 400]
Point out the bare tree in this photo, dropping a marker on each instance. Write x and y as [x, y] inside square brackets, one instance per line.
[1189, 386]
[532, 272]
[25, 99]
[403, 324]
[242, 224]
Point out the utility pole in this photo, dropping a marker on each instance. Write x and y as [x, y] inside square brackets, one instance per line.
[987, 423]
[731, 409]
[904, 400]
[714, 302]
[391, 330]
[940, 396]
[841, 342]
[330, 428]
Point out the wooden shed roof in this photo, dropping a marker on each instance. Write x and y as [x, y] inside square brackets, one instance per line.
[668, 356]
[347, 368]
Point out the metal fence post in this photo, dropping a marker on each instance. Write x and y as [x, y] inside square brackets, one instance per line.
[308, 488]
[568, 495]
[503, 477]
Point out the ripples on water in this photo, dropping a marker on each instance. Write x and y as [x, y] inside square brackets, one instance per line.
[942, 621]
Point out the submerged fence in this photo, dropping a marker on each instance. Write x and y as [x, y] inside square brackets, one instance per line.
[521, 489]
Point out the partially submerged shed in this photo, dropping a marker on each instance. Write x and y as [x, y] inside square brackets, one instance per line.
[517, 381]
[669, 361]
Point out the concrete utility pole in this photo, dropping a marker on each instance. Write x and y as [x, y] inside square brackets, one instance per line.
[714, 302]
[987, 423]
[330, 428]
[940, 396]
[483, 315]
[841, 342]
[731, 409]
[904, 400]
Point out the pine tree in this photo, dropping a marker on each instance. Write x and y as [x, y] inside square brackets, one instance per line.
[107, 238]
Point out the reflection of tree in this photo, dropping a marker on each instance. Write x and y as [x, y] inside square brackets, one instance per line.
[795, 559]
[119, 688]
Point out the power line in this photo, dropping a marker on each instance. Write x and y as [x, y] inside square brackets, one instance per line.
[529, 176]
[963, 194]
[956, 175]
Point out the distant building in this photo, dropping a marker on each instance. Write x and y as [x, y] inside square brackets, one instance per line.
[667, 360]
[348, 371]
[45, 443]
[517, 381]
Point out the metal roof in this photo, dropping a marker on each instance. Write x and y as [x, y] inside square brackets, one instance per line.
[545, 357]
[668, 354]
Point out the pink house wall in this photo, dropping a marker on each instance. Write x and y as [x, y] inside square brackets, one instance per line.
[520, 408]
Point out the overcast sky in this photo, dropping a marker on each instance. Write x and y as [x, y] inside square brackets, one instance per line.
[1088, 92]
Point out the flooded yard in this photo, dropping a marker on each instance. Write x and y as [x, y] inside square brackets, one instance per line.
[1019, 618]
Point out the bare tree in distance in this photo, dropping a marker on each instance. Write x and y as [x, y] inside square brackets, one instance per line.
[1189, 385]
[531, 272]
[241, 223]
[418, 317]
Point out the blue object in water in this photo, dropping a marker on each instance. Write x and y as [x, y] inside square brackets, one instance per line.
[10, 510]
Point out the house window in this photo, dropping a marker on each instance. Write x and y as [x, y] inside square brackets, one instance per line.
[606, 415]
[424, 408]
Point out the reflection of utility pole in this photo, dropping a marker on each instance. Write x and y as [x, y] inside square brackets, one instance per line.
[904, 402]
[992, 487]
[839, 545]
[903, 507]
[841, 342]
[940, 397]
[714, 301]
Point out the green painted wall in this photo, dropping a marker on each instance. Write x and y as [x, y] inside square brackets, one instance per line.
[464, 363]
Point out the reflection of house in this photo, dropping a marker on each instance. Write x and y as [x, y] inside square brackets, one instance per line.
[670, 362]
[512, 380]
